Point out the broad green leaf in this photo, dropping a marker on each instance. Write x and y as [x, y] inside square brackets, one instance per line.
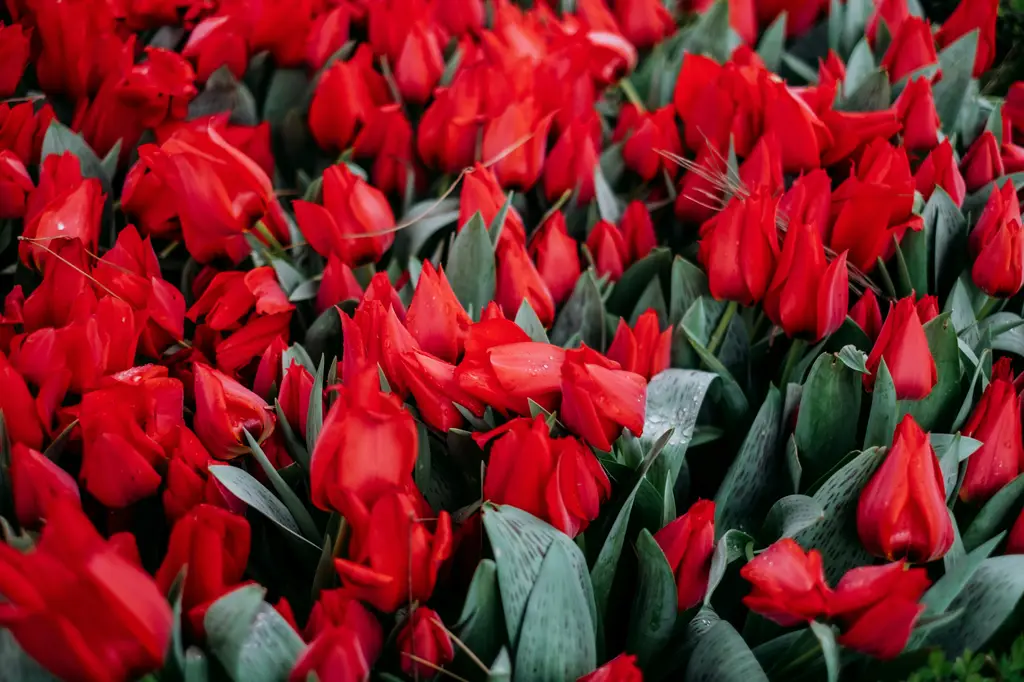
[324, 340]
[471, 268]
[941, 594]
[315, 411]
[498, 224]
[854, 358]
[789, 516]
[527, 320]
[608, 206]
[957, 65]
[636, 279]
[873, 93]
[1007, 331]
[829, 649]
[652, 298]
[731, 546]
[826, 426]
[995, 515]
[224, 93]
[481, 624]
[60, 139]
[721, 655]
[859, 68]
[884, 414]
[424, 219]
[653, 614]
[582, 314]
[711, 33]
[939, 407]
[249, 490]
[287, 90]
[734, 401]
[197, 668]
[855, 18]
[602, 574]
[773, 42]
[688, 283]
[291, 501]
[674, 400]
[501, 668]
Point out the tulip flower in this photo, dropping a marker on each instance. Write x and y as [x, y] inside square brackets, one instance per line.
[698, 196]
[351, 208]
[555, 479]
[643, 22]
[892, 13]
[789, 118]
[21, 419]
[557, 257]
[376, 336]
[435, 318]
[435, 387]
[459, 17]
[718, 101]
[915, 109]
[599, 399]
[877, 607]
[739, 248]
[622, 668]
[338, 284]
[482, 194]
[644, 349]
[343, 101]
[22, 130]
[231, 296]
[188, 482]
[902, 510]
[912, 48]
[867, 314]
[902, 343]
[503, 368]
[515, 141]
[688, 543]
[788, 584]
[518, 281]
[423, 636]
[328, 33]
[762, 169]
[345, 650]
[15, 185]
[996, 422]
[997, 244]
[14, 49]
[807, 295]
[224, 409]
[215, 42]
[447, 132]
[982, 163]
[637, 231]
[939, 169]
[386, 573]
[294, 395]
[36, 482]
[214, 544]
[420, 63]
[78, 47]
[117, 627]
[387, 139]
[609, 250]
[852, 131]
[571, 164]
[644, 134]
[927, 308]
[968, 16]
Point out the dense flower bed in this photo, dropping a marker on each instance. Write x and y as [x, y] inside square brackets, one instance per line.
[401, 339]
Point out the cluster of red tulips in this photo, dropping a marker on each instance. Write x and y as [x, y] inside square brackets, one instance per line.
[600, 340]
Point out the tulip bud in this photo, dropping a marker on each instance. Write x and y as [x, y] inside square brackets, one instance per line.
[609, 249]
[433, 384]
[644, 349]
[294, 395]
[788, 118]
[622, 668]
[387, 139]
[787, 584]
[571, 164]
[688, 543]
[903, 345]
[345, 645]
[939, 169]
[14, 49]
[866, 313]
[927, 308]
[22, 130]
[482, 194]
[518, 281]
[436, 319]
[852, 131]
[420, 63]
[36, 481]
[637, 231]
[968, 16]
[739, 247]
[997, 242]
[341, 102]
[328, 33]
[224, 409]
[339, 284]
[18, 407]
[557, 257]
[996, 422]
[423, 636]
[645, 133]
[15, 185]
[215, 42]
[982, 163]
[515, 140]
[599, 399]
[912, 48]
[902, 510]
[916, 110]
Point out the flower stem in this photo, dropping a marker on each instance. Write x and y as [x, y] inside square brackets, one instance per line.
[992, 304]
[795, 351]
[632, 95]
[723, 327]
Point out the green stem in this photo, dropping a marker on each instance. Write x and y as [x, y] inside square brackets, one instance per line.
[991, 305]
[632, 95]
[795, 351]
[723, 326]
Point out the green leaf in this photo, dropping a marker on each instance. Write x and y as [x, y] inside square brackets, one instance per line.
[711, 33]
[498, 224]
[884, 415]
[60, 139]
[582, 314]
[946, 229]
[294, 505]
[731, 546]
[721, 655]
[987, 600]
[940, 595]
[860, 67]
[18, 665]
[995, 515]
[315, 411]
[872, 94]
[789, 516]
[501, 668]
[249, 638]
[608, 206]
[287, 90]
[733, 399]
[295, 448]
[425, 219]
[754, 476]
[636, 280]
[829, 649]
[854, 358]
[836, 536]
[197, 669]
[939, 407]
[527, 320]
[673, 404]
[855, 18]
[324, 339]
[471, 269]
[602, 574]
[688, 284]
[974, 204]
[1007, 332]
[651, 299]
[481, 624]
[557, 641]
[957, 65]
[653, 614]
[249, 490]
[223, 93]
[773, 42]
[826, 426]
[835, 25]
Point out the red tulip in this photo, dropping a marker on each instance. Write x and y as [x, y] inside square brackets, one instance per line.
[599, 399]
[968, 16]
[515, 141]
[874, 206]
[518, 281]
[420, 63]
[214, 544]
[555, 479]
[447, 133]
[435, 387]
[436, 319]
[367, 447]
[808, 200]
[14, 43]
[15, 185]
[788, 584]
[622, 668]
[644, 350]
[385, 573]
[557, 258]
[643, 22]
[482, 194]
[327, 34]
[877, 607]
[982, 163]
[997, 242]
[789, 118]
[225, 408]
[892, 12]
[645, 133]
[503, 368]
[688, 543]
[939, 169]
[36, 482]
[459, 17]
[232, 295]
[423, 636]
[387, 138]
[902, 510]
[188, 481]
[637, 231]
[294, 396]
[78, 47]
[807, 295]
[915, 109]
[927, 308]
[996, 422]
[215, 42]
[902, 343]
[739, 248]
[159, 88]
[912, 48]
[853, 131]
[346, 641]
[22, 130]
[699, 197]
[1013, 107]
[609, 250]
[253, 141]
[343, 100]
[571, 164]
[762, 169]
[351, 208]
[338, 284]
[117, 627]
[716, 101]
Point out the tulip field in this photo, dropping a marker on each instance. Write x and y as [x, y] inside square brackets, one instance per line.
[511, 340]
